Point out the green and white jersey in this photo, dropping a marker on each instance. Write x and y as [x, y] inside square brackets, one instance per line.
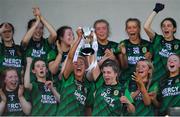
[101, 49]
[13, 106]
[75, 97]
[37, 49]
[162, 50]
[134, 53]
[11, 57]
[169, 95]
[140, 108]
[107, 99]
[43, 101]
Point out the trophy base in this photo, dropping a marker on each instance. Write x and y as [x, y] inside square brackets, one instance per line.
[87, 51]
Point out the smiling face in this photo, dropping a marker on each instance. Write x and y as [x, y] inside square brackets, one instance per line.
[11, 80]
[110, 77]
[143, 69]
[133, 30]
[40, 69]
[173, 64]
[38, 33]
[168, 29]
[7, 34]
[102, 31]
[68, 37]
[79, 67]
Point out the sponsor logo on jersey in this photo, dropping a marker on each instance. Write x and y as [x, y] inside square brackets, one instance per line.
[48, 98]
[109, 100]
[80, 97]
[134, 59]
[165, 53]
[14, 107]
[170, 91]
[38, 53]
[136, 50]
[12, 62]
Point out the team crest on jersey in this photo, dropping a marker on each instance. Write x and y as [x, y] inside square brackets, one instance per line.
[116, 92]
[176, 46]
[144, 49]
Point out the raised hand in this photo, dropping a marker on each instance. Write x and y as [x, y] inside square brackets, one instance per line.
[49, 84]
[79, 32]
[136, 77]
[148, 56]
[29, 60]
[158, 7]
[59, 47]
[122, 48]
[37, 13]
[2, 28]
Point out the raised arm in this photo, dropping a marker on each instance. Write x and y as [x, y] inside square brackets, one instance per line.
[148, 22]
[142, 88]
[53, 34]
[69, 62]
[122, 57]
[3, 101]
[30, 32]
[54, 65]
[26, 106]
[27, 83]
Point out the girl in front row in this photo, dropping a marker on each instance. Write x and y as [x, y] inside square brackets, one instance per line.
[12, 100]
[169, 93]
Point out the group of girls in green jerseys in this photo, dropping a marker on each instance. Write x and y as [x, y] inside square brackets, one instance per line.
[134, 77]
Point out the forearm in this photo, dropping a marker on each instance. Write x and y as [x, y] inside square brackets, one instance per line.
[51, 30]
[147, 25]
[130, 108]
[2, 107]
[29, 34]
[123, 61]
[56, 94]
[54, 65]
[146, 98]
[27, 83]
[26, 106]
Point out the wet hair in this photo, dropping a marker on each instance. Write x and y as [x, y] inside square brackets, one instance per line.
[102, 21]
[61, 31]
[112, 64]
[171, 20]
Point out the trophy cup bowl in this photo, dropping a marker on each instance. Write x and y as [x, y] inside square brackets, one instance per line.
[87, 50]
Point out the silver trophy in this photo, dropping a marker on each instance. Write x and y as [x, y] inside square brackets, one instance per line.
[87, 49]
